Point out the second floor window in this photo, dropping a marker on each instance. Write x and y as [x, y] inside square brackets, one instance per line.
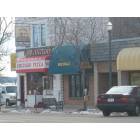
[43, 35]
[39, 35]
[36, 36]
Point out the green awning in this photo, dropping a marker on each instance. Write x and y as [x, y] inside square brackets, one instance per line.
[65, 60]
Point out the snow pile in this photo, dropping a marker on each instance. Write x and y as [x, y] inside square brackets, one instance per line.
[52, 107]
[51, 111]
[86, 112]
[95, 112]
[75, 112]
[28, 111]
[46, 111]
[57, 112]
[14, 111]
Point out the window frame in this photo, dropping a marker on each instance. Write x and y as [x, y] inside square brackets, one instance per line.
[75, 84]
[39, 34]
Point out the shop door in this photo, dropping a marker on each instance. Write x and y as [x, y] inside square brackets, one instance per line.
[22, 90]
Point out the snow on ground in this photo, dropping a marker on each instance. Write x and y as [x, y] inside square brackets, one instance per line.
[87, 113]
[26, 111]
[14, 111]
[50, 111]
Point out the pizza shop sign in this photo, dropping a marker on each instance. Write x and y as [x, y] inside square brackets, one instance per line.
[32, 64]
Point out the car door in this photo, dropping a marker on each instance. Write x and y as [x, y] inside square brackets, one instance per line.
[137, 95]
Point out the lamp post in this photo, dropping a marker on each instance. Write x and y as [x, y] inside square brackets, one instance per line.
[109, 29]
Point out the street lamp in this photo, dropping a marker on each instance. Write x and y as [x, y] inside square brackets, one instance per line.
[109, 29]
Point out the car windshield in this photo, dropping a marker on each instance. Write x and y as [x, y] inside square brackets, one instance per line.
[11, 89]
[125, 90]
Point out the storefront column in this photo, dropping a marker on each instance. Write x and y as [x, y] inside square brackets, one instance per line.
[25, 89]
[57, 87]
[95, 83]
[119, 78]
[18, 89]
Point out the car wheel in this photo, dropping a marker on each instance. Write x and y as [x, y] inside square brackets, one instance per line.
[137, 110]
[106, 113]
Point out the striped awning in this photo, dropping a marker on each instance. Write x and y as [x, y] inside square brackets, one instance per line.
[129, 59]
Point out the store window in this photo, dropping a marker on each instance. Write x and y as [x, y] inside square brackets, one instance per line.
[75, 86]
[34, 82]
[135, 78]
[48, 82]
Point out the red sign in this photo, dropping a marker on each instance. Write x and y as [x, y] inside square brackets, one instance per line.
[32, 64]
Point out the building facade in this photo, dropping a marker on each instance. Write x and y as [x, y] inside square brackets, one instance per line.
[32, 63]
[125, 64]
[35, 45]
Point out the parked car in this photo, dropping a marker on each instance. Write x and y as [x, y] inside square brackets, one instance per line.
[120, 99]
[8, 94]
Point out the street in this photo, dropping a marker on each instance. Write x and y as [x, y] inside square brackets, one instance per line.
[61, 117]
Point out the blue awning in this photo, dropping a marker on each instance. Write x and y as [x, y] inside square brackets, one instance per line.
[65, 60]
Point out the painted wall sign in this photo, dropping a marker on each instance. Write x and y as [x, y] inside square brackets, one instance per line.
[23, 36]
[32, 64]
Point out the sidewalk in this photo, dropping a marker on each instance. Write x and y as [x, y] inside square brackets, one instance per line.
[67, 109]
[78, 108]
[72, 108]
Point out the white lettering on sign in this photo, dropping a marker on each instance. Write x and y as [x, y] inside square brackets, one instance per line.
[32, 63]
[64, 64]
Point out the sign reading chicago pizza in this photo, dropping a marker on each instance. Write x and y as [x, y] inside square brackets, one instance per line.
[22, 34]
[32, 64]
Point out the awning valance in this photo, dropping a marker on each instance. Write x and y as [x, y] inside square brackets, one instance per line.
[32, 64]
[129, 59]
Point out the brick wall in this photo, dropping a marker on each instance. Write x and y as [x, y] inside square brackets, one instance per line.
[104, 67]
[72, 101]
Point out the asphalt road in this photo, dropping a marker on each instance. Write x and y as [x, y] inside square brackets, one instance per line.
[65, 118]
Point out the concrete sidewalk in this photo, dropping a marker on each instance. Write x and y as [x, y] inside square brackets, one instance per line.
[72, 108]
[66, 109]
[78, 108]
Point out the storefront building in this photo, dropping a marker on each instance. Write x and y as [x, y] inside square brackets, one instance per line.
[125, 64]
[34, 79]
[76, 73]
[48, 71]
[128, 66]
[43, 73]
[32, 63]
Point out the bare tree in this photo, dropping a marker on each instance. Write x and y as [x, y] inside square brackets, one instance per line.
[76, 30]
[5, 35]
